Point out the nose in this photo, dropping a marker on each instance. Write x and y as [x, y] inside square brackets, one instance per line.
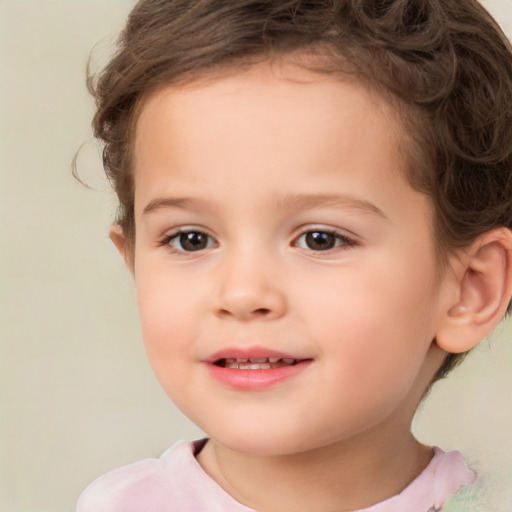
[250, 288]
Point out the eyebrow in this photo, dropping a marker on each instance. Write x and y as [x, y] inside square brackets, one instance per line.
[291, 202]
[166, 202]
[310, 201]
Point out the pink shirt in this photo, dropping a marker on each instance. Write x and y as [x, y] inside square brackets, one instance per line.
[175, 482]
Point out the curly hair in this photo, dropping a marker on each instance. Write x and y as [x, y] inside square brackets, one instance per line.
[444, 64]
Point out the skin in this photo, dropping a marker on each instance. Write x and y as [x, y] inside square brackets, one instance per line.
[255, 161]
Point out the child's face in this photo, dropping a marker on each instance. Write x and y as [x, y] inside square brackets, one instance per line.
[304, 242]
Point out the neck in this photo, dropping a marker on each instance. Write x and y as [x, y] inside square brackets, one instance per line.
[338, 477]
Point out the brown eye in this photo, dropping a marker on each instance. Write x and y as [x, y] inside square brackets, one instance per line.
[191, 241]
[322, 240]
[319, 241]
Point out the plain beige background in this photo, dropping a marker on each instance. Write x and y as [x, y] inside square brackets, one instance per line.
[77, 397]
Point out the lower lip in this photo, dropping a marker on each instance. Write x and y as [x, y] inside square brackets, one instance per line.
[255, 380]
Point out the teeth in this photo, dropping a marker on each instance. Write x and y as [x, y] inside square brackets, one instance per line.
[257, 363]
[253, 366]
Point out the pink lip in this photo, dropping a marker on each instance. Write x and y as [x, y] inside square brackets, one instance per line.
[253, 380]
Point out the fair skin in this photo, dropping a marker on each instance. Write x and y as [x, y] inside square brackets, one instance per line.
[272, 216]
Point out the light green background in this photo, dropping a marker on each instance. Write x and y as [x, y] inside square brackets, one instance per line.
[77, 397]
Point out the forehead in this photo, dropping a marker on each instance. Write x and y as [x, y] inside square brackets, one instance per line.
[278, 101]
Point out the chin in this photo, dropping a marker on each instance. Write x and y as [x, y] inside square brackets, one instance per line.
[263, 441]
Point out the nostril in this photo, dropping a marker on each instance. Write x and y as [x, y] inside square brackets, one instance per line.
[255, 313]
[261, 311]
[247, 304]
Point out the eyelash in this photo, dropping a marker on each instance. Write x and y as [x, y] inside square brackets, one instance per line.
[166, 240]
[340, 240]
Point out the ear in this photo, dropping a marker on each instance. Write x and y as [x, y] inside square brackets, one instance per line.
[482, 286]
[119, 239]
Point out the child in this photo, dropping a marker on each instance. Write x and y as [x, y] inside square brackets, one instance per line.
[316, 204]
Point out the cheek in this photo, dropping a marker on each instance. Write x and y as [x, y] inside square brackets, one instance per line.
[166, 334]
[374, 323]
[165, 307]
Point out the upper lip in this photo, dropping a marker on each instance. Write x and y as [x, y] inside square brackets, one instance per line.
[250, 353]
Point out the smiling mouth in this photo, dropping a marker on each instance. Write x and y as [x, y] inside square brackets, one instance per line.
[255, 363]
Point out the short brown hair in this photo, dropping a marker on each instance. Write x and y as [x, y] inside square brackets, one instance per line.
[445, 62]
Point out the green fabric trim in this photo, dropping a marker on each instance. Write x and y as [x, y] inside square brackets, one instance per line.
[466, 500]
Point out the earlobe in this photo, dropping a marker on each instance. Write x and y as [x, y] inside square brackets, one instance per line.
[119, 239]
[117, 236]
[484, 283]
